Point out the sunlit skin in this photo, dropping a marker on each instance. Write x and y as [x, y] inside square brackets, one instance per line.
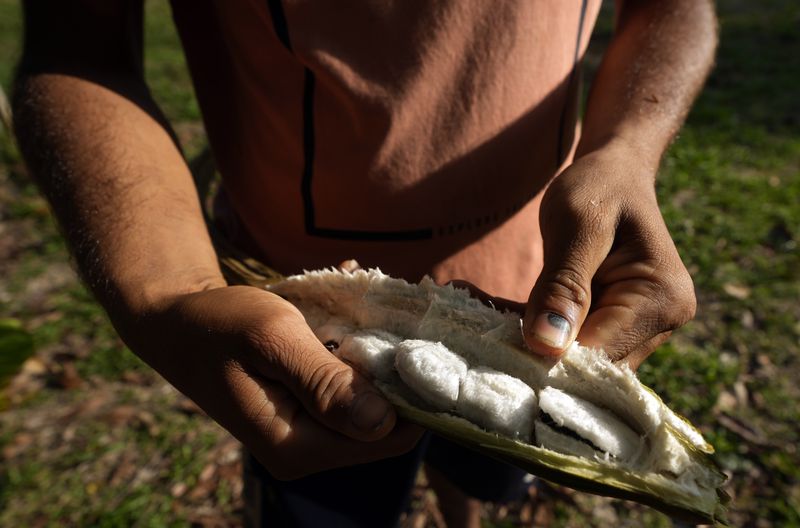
[103, 155]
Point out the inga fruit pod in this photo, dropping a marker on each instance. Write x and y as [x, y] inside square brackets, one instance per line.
[461, 369]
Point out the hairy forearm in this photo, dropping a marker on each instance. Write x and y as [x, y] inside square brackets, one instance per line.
[118, 185]
[651, 73]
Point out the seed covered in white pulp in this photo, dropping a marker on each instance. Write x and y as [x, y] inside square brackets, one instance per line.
[431, 371]
[597, 425]
[371, 351]
[498, 402]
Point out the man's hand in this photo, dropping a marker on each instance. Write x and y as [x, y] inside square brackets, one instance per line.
[248, 358]
[612, 277]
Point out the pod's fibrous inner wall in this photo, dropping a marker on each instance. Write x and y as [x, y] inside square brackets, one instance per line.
[457, 364]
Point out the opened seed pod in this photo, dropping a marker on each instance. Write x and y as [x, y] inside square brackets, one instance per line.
[461, 369]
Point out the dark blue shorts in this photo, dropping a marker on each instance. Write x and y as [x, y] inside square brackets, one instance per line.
[372, 495]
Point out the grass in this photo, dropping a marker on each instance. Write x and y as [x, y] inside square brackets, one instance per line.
[78, 486]
[728, 187]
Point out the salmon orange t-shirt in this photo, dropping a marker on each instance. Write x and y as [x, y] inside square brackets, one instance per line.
[413, 135]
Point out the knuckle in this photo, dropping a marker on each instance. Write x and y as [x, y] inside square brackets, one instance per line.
[331, 386]
[267, 345]
[688, 308]
[266, 339]
[681, 302]
[578, 214]
[256, 337]
[568, 284]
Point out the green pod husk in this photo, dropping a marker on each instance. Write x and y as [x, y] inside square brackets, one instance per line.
[577, 473]
[674, 472]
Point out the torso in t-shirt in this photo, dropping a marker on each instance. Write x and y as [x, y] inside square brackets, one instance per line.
[413, 135]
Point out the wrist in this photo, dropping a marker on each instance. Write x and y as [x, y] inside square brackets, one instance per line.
[619, 156]
[236, 319]
[136, 297]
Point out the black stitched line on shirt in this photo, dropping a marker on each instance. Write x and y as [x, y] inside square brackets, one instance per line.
[309, 147]
[375, 236]
[279, 22]
[572, 74]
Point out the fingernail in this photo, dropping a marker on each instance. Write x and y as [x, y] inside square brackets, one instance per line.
[369, 412]
[551, 329]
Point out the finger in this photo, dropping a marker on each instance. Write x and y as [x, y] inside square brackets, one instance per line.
[328, 389]
[637, 357]
[291, 443]
[498, 303]
[349, 265]
[324, 449]
[561, 297]
[638, 305]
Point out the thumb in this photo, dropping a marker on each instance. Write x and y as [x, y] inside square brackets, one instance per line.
[330, 390]
[562, 295]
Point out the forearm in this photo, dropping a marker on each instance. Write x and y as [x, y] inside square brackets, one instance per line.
[653, 69]
[119, 187]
